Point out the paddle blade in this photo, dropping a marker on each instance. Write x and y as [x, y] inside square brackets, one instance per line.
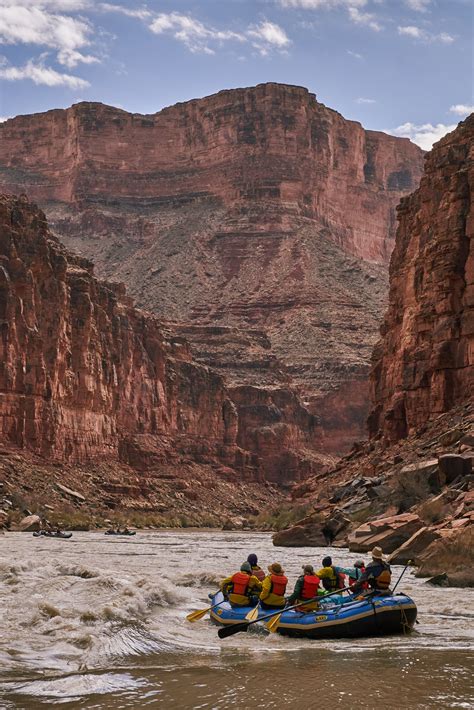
[272, 625]
[231, 630]
[253, 614]
[196, 615]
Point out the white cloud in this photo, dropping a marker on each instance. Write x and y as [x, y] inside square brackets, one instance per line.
[418, 33]
[201, 38]
[38, 73]
[418, 5]
[141, 14]
[22, 23]
[356, 55]
[462, 110]
[323, 4]
[443, 37]
[424, 135]
[53, 5]
[411, 31]
[361, 100]
[364, 18]
[354, 8]
[194, 34]
[4, 118]
[267, 36]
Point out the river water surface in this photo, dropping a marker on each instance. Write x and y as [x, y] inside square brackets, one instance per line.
[98, 622]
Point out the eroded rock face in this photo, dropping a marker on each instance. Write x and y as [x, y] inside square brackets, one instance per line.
[84, 374]
[424, 364]
[257, 211]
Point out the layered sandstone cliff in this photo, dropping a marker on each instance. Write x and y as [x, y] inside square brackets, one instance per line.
[412, 485]
[84, 374]
[424, 364]
[258, 219]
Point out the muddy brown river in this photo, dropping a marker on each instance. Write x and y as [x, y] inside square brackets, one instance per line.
[98, 622]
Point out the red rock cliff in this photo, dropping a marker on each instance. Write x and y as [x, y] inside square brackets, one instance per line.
[259, 212]
[272, 145]
[84, 375]
[424, 364]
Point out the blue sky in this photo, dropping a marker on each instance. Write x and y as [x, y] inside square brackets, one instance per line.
[403, 66]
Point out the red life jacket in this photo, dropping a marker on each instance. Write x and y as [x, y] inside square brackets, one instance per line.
[258, 573]
[278, 586]
[310, 586]
[240, 583]
[352, 580]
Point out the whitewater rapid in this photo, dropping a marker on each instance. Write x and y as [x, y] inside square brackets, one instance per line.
[80, 616]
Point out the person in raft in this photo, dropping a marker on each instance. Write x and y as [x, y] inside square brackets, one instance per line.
[241, 588]
[355, 573]
[306, 587]
[273, 591]
[257, 571]
[332, 578]
[377, 575]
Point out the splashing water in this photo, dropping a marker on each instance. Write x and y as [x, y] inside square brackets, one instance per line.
[100, 622]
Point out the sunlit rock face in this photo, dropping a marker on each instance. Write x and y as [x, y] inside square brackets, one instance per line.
[424, 364]
[259, 212]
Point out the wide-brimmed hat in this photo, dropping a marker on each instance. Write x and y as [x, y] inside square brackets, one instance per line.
[276, 568]
[377, 553]
[308, 569]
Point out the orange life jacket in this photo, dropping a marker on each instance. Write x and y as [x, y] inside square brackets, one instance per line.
[382, 581]
[310, 586]
[278, 584]
[240, 583]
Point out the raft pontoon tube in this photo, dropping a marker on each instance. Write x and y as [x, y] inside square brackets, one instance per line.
[375, 616]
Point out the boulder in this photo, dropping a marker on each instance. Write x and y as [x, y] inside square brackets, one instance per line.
[300, 536]
[423, 474]
[334, 525]
[451, 554]
[388, 533]
[73, 494]
[455, 466]
[450, 437]
[414, 546]
[31, 523]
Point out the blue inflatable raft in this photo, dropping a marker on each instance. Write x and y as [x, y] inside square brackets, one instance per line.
[374, 616]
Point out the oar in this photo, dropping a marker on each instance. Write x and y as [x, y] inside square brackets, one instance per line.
[403, 572]
[243, 626]
[272, 625]
[253, 614]
[196, 615]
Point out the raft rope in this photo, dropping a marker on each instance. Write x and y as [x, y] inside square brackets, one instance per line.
[404, 621]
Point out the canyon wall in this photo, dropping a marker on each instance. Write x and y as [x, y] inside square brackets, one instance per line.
[424, 364]
[84, 374]
[271, 146]
[258, 221]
